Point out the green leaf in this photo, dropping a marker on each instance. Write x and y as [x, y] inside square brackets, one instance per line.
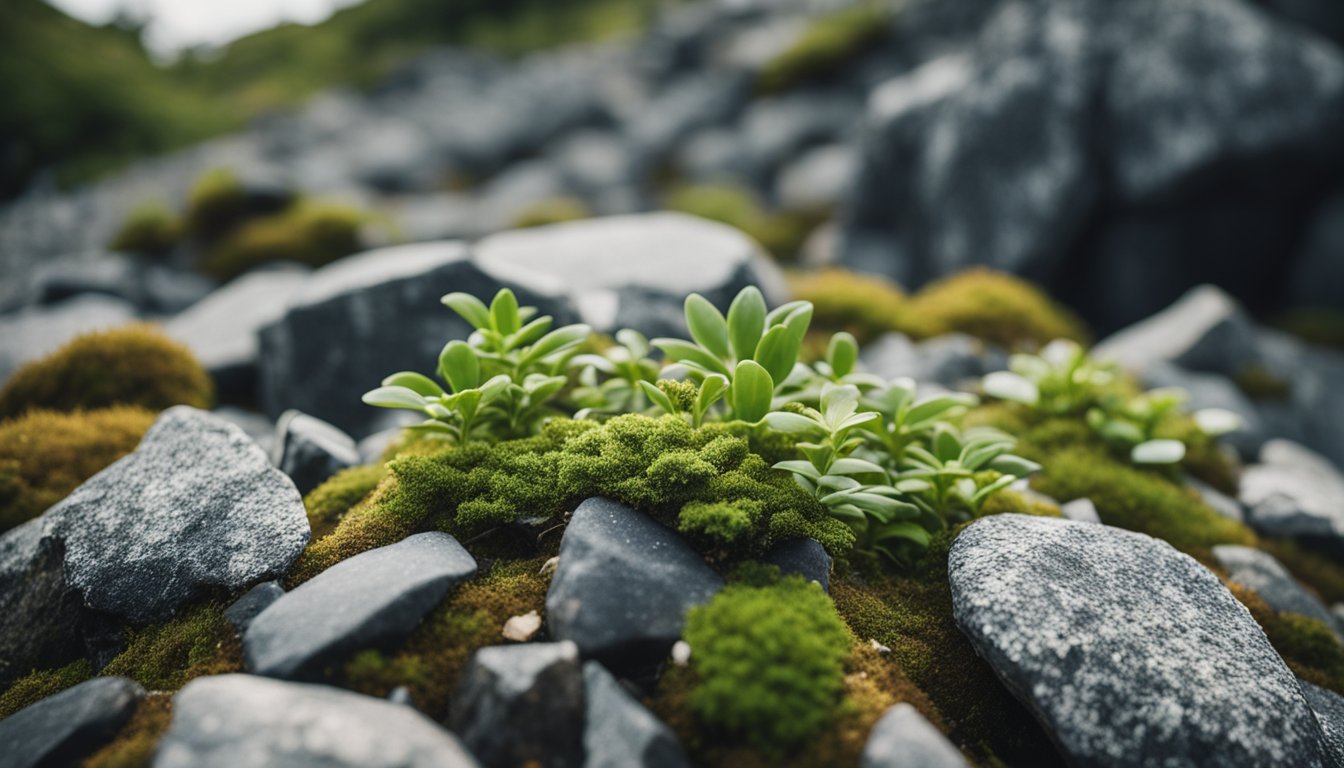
[746, 322]
[946, 446]
[658, 397]
[778, 314]
[798, 321]
[711, 389]
[469, 307]
[395, 397]
[458, 366]
[679, 351]
[750, 392]
[530, 332]
[707, 325]
[784, 421]
[555, 342]
[800, 467]
[1006, 385]
[998, 485]
[852, 466]
[1014, 465]
[842, 353]
[933, 407]
[504, 316]
[1158, 452]
[495, 387]
[777, 352]
[416, 382]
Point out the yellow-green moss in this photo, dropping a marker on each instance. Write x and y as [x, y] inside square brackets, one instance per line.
[40, 684]
[131, 365]
[552, 211]
[431, 660]
[1307, 645]
[150, 229]
[328, 502]
[308, 233]
[993, 306]
[863, 305]
[1260, 383]
[215, 204]
[135, 743]
[827, 45]
[781, 234]
[165, 656]
[44, 455]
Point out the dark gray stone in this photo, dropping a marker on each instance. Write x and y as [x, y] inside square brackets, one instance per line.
[624, 584]
[522, 704]
[1329, 709]
[1211, 390]
[41, 627]
[805, 557]
[369, 600]
[244, 721]
[1317, 277]
[1294, 492]
[619, 732]
[38, 331]
[1127, 651]
[1258, 570]
[310, 450]
[904, 739]
[196, 505]
[1205, 330]
[257, 599]
[65, 728]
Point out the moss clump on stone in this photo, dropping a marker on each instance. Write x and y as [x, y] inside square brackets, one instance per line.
[996, 307]
[308, 233]
[215, 204]
[1307, 645]
[40, 684]
[135, 743]
[431, 660]
[44, 455]
[132, 365]
[328, 502]
[150, 229]
[781, 234]
[166, 656]
[865, 306]
[769, 661]
[831, 42]
[554, 210]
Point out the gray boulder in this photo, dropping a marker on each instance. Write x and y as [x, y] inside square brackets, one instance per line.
[904, 739]
[65, 728]
[1127, 651]
[804, 557]
[38, 331]
[243, 721]
[1329, 709]
[1294, 492]
[310, 450]
[41, 629]
[257, 599]
[521, 705]
[619, 732]
[196, 505]
[624, 584]
[372, 599]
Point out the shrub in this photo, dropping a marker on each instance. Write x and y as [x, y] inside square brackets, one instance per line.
[215, 204]
[994, 306]
[150, 229]
[44, 455]
[781, 234]
[831, 42]
[306, 233]
[770, 661]
[552, 211]
[132, 365]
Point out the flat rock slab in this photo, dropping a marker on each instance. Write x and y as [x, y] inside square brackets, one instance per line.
[197, 505]
[373, 598]
[64, 728]
[1128, 652]
[904, 739]
[1294, 491]
[243, 721]
[624, 584]
[1258, 570]
[619, 732]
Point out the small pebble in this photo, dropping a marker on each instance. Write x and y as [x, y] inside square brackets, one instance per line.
[681, 653]
[522, 628]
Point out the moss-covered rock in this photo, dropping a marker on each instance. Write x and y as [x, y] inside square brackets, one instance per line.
[328, 502]
[865, 306]
[1307, 645]
[216, 203]
[44, 455]
[831, 42]
[553, 210]
[132, 365]
[309, 233]
[996, 307]
[150, 229]
[39, 684]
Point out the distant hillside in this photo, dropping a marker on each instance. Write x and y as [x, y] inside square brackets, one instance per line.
[80, 99]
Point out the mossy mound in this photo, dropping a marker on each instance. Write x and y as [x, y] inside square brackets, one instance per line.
[215, 204]
[1320, 571]
[150, 229]
[865, 306]
[131, 365]
[996, 307]
[308, 233]
[1307, 645]
[831, 42]
[554, 210]
[328, 502]
[781, 234]
[44, 455]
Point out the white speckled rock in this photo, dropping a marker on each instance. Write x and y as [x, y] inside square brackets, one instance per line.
[1128, 652]
[1329, 709]
[904, 739]
[197, 505]
[1257, 569]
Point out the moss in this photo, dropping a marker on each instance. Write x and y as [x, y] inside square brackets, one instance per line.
[165, 656]
[864, 305]
[1260, 383]
[554, 210]
[432, 658]
[831, 42]
[719, 523]
[40, 684]
[306, 233]
[132, 365]
[44, 455]
[781, 234]
[996, 307]
[1307, 645]
[1321, 572]
[770, 662]
[135, 743]
[328, 502]
[150, 229]
[215, 204]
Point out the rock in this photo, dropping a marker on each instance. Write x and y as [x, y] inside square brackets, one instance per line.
[805, 557]
[692, 102]
[42, 625]
[257, 599]
[523, 627]
[1211, 390]
[818, 179]
[1205, 330]
[52, 281]
[508, 196]
[592, 161]
[36, 332]
[65, 728]
[950, 360]
[624, 584]
[904, 739]
[438, 216]
[1217, 500]
[1329, 709]
[222, 328]
[619, 732]
[522, 704]
[1294, 492]
[253, 424]
[632, 271]
[243, 721]
[372, 599]
[1127, 651]
[1317, 275]
[196, 505]
[1259, 570]
[367, 316]
[1081, 510]
[310, 450]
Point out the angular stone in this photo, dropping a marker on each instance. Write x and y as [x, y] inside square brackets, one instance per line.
[244, 721]
[196, 505]
[804, 557]
[257, 599]
[624, 584]
[1258, 570]
[1127, 651]
[521, 705]
[64, 728]
[1204, 330]
[1329, 709]
[310, 450]
[818, 179]
[904, 739]
[1294, 492]
[619, 732]
[42, 617]
[369, 600]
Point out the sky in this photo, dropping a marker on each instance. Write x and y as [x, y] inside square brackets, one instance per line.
[178, 24]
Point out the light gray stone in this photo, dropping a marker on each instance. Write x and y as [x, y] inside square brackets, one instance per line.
[64, 728]
[1294, 492]
[1205, 330]
[38, 331]
[1217, 500]
[1258, 570]
[904, 739]
[619, 732]
[952, 360]
[818, 179]
[1081, 510]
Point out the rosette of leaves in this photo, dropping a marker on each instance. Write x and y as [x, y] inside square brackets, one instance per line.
[501, 381]
[1061, 380]
[958, 471]
[905, 419]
